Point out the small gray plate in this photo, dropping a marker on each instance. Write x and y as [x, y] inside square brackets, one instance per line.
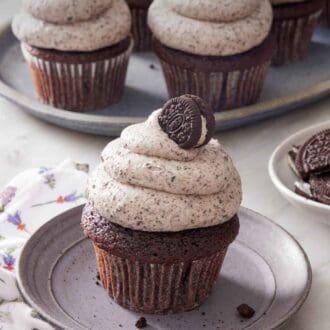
[265, 268]
[286, 88]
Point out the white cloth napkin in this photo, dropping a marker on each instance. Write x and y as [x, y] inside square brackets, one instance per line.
[27, 202]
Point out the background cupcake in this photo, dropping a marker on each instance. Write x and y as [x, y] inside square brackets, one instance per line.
[140, 30]
[218, 50]
[293, 27]
[77, 52]
[162, 210]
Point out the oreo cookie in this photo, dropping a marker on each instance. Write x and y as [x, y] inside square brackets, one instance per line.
[313, 156]
[320, 188]
[311, 163]
[304, 189]
[188, 121]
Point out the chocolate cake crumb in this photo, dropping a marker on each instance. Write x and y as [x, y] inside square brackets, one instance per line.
[141, 323]
[152, 67]
[98, 276]
[245, 311]
[203, 313]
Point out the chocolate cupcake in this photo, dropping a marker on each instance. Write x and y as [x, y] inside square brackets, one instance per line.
[140, 30]
[77, 53]
[218, 50]
[162, 210]
[293, 27]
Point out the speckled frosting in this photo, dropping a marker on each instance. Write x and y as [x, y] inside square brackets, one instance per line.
[210, 27]
[71, 25]
[156, 186]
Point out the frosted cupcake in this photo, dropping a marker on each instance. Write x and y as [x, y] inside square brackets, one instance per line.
[219, 50]
[294, 24]
[140, 30]
[77, 53]
[162, 210]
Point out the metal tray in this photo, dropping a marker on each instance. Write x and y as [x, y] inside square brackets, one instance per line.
[286, 88]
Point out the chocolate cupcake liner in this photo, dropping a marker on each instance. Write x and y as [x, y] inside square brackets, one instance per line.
[141, 33]
[225, 82]
[82, 86]
[158, 288]
[293, 37]
[222, 90]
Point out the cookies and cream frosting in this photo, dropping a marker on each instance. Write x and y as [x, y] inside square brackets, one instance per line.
[147, 182]
[71, 25]
[211, 27]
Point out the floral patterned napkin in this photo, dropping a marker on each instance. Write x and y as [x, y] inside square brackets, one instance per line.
[29, 200]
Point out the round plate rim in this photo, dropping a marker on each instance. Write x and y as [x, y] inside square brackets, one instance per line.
[36, 306]
[114, 124]
[278, 183]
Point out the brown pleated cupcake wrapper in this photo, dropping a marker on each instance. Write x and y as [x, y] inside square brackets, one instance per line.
[141, 33]
[79, 87]
[158, 288]
[293, 37]
[222, 90]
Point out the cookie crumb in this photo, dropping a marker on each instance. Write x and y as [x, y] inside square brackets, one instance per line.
[141, 323]
[245, 311]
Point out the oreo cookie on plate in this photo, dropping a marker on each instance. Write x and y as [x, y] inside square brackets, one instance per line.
[299, 169]
[311, 163]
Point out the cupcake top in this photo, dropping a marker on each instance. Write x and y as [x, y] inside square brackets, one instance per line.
[210, 27]
[147, 182]
[68, 25]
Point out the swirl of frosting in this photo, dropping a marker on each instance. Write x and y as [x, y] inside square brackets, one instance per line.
[207, 174]
[156, 189]
[87, 26]
[214, 28]
[215, 11]
[148, 139]
[65, 11]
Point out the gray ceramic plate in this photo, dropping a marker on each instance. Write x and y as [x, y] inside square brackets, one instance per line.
[286, 88]
[265, 268]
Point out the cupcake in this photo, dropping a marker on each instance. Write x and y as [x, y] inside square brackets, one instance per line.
[218, 50]
[162, 210]
[140, 31]
[77, 52]
[293, 27]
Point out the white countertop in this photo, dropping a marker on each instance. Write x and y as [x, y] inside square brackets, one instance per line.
[27, 142]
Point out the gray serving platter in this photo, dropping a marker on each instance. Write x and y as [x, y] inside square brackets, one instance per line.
[265, 268]
[286, 88]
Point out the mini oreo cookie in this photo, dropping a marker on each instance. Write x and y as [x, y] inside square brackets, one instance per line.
[313, 156]
[320, 188]
[188, 121]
